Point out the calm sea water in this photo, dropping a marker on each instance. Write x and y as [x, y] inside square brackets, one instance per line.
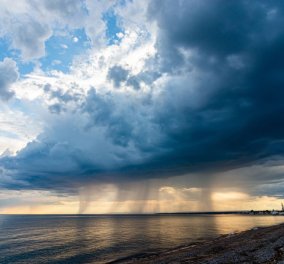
[99, 239]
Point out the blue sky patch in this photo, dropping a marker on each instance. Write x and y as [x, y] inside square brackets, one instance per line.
[113, 28]
[7, 52]
[60, 50]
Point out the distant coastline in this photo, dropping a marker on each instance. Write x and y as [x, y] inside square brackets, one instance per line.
[240, 212]
[245, 212]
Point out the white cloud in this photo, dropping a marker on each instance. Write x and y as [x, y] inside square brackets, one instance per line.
[17, 129]
[29, 24]
[64, 46]
[8, 75]
[120, 35]
[29, 36]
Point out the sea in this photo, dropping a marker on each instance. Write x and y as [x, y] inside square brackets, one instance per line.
[104, 238]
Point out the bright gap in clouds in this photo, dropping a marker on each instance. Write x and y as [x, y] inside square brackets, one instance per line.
[141, 106]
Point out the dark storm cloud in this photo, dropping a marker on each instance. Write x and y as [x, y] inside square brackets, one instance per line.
[101, 112]
[221, 106]
[237, 47]
[61, 98]
[117, 74]
[56, 108]
[134, 82]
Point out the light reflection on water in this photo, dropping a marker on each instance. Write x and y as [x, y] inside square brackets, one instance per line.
[98, 239]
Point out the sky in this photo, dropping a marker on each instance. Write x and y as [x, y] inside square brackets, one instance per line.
[127, 106]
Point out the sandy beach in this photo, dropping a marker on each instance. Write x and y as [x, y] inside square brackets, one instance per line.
[258, 245]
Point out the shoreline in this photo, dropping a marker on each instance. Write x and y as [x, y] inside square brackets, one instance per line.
[257, 245]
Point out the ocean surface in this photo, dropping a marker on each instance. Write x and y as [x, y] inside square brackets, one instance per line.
[100, 239]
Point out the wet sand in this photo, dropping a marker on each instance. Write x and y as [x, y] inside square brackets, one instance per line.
[258, 245]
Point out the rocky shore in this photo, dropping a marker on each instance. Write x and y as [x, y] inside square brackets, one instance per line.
[258, 245]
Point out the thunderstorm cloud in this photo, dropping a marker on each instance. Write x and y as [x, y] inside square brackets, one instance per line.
[191, 87]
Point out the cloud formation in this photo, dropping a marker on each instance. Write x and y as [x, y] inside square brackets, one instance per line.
[117, 74]
[227, 56]
[210, 98]
[28, 25]
[8, 75]
[29, 36]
